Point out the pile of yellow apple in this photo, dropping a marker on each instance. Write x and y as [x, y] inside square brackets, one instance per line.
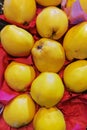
[49, 55]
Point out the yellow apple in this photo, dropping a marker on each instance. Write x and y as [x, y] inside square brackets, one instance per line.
[69, 3]
[49, 2]
[49, 119]
[20, 111]
[83, 5]
[19, 76]
[52, 22]
[48, 55]
[47, 89]
[75, 76]
[16, 41]
[19, 11]
[75, 42]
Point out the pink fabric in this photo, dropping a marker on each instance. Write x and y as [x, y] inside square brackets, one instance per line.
[75, 13]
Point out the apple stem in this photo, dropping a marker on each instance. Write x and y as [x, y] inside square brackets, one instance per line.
[25, 23]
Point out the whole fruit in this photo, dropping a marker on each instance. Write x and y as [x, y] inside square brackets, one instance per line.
[49, 2]
[52, 22]
[47, 89]
[48, 55]
[49, 119]
[20, 111]
[83, 5]
[75, 42]
[19, 11]
[75, 76]
[16, 41]
[19, 76]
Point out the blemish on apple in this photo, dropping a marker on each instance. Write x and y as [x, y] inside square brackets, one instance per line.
[39, 47]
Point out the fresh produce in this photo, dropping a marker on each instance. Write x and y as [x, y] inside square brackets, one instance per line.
[19, 11]
[16, 41]
[75, 42]
[43, 65]
[20, 111]
[48, 2]
[19, 76]
[75, 76]
[48, 55]
[49, 119]
[47, 89]
[52, 22]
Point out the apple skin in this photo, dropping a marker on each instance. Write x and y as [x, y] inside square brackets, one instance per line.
[16, 41]
[19, 11]
[49, 2]
[19, 111]
[75, 42]
[52, 22]
[78, 70]
[47, 89]
[49, 119]
[19, 76]
[48, 55]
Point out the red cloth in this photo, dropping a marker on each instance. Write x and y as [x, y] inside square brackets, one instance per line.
[73, 106]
